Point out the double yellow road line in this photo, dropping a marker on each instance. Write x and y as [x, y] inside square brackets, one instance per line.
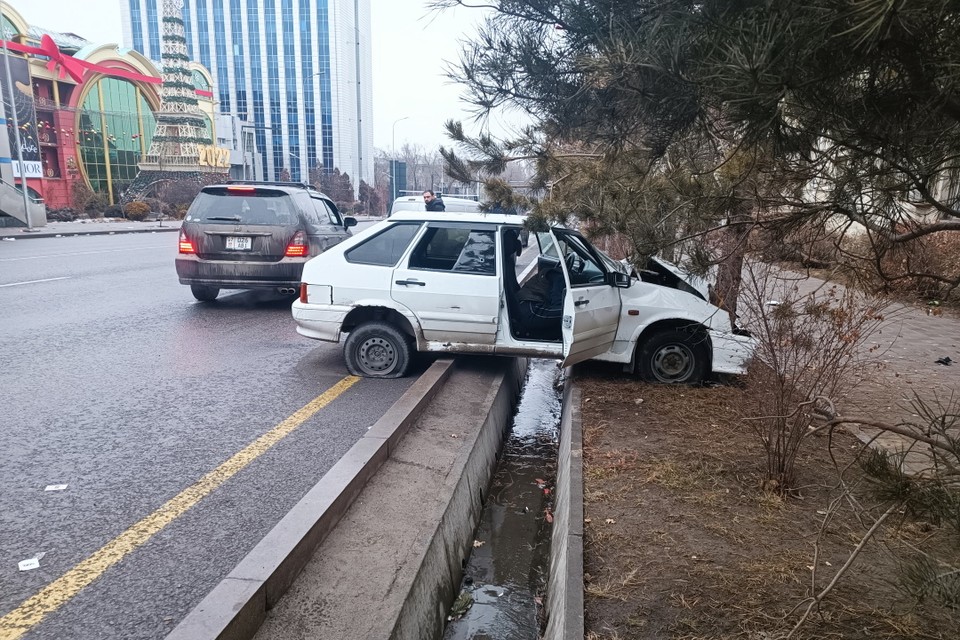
[33, 610]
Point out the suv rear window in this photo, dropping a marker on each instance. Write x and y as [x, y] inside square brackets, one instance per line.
[243, 206]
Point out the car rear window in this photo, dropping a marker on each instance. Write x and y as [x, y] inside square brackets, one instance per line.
[386, 247]
[243, 206]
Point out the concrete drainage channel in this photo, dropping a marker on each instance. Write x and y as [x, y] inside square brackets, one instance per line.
[378, 548]
[505, 578]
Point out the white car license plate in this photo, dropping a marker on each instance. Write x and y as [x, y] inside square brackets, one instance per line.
[239, 243]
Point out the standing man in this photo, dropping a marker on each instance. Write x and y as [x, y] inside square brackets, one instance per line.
[433, 202]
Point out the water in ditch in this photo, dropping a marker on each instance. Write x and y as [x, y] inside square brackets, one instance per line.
[502, 590]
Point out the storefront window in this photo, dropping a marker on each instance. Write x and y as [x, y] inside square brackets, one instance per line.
[113, 134]
[9, 31]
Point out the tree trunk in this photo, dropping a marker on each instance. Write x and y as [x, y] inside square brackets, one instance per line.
[733, 248]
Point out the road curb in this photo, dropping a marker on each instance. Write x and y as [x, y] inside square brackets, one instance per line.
[440, 566]
[564, 605]
[237, 606]
[26, 235]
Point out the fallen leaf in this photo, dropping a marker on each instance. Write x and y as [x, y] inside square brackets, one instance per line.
[548, 515]
[546, 491]
[453, 435]
[588, 520]
[610, 521]
[477, 544]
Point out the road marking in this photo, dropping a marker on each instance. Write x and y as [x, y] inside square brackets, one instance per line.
[85, 253]
[33, 610]
[17, 284]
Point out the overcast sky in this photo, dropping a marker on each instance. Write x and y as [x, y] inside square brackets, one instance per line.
[410, 46]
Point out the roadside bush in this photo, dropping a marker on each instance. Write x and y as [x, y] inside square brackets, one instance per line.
[811, 348]
[81, 194]
[137, 211]
[113, 211]
[809, 246]
[155, 205]
[96, 205]
[64, 214]
[920, 267]
[179, 211]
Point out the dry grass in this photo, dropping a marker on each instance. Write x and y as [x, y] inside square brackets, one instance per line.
[682, 542]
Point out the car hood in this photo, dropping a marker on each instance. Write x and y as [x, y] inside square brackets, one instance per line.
[699, 284]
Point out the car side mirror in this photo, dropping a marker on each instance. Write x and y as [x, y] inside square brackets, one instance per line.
[619, 279]
[349, 221]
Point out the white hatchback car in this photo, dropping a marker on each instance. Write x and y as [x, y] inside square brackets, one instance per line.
[447, 282]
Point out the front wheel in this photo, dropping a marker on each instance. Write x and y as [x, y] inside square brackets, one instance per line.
[204, 294]
[377, 350]
[678, 357]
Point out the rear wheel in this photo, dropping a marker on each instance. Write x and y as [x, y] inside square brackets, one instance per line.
[377, 350]
[204, 293]
[673, 356]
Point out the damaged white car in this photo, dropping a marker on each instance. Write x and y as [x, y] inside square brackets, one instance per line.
[449, 282]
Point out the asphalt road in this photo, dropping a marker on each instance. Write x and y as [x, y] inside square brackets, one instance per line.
[118, 384]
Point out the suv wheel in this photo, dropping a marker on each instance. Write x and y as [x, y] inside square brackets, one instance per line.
[673, 357]
[377, 350]
[203, 293]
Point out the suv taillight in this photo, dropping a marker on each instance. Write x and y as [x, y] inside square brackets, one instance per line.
[303, 292]
[298, 246]
[186, 245]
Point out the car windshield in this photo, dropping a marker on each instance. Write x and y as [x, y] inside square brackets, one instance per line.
[250, 207]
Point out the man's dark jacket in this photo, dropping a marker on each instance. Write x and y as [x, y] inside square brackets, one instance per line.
[436, 205]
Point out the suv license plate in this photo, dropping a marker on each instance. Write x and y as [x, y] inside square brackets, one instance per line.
[236, 243]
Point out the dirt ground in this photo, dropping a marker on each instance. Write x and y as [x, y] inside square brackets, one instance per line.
[681, 541]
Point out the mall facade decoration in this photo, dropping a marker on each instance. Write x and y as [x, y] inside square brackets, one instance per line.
[95, 111]
[298, 70]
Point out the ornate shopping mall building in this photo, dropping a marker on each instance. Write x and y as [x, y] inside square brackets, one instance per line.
[94, 110]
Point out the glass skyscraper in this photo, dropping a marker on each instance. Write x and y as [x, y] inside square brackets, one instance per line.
[299, 71]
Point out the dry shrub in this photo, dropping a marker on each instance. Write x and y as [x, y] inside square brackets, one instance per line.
[136, 211]
[919, 267]
[810, 345]
[811, 246]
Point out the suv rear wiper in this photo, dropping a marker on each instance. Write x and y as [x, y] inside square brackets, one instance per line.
[230, 218]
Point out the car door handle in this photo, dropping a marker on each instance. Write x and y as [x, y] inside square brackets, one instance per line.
[416, 282]
[580, 303]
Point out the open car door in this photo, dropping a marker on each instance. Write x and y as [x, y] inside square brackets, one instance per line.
[591, 307]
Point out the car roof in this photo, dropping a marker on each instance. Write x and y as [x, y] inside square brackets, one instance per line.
[452, 199]
[458, 216]
[278, 186]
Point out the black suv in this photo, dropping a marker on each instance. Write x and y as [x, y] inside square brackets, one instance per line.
[255, 235]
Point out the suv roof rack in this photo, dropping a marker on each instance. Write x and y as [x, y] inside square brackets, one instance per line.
[271, 183]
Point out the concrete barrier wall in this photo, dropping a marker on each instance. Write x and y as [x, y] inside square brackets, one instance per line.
[564, 606]
[437, 582]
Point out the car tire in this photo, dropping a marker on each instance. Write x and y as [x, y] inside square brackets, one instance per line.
[204, 293]
[377, 350]
[673, 357]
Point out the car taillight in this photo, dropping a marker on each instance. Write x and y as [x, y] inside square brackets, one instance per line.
[303, 292]
[186, 245]
[298, 246]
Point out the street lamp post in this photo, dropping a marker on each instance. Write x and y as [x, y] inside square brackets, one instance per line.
[393, 161]
[16, 130]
